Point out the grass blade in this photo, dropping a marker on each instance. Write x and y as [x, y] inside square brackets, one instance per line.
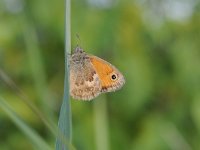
[26, 100]
[101, 123]
[36, 140]
[64, 123]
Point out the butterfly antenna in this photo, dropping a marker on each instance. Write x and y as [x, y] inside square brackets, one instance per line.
[78, 48]
[78, 40]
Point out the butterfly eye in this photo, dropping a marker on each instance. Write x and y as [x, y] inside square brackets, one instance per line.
[113, 77]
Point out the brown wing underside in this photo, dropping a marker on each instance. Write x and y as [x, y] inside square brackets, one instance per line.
[84, 82]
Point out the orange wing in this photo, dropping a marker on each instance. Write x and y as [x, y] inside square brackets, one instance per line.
[105, 71]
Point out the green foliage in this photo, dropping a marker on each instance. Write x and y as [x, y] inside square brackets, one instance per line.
[154, 45]
[36, 140]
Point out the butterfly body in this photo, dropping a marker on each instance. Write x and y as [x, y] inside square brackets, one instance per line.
[91, 76]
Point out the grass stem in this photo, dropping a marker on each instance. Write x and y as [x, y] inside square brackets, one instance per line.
[65, 119]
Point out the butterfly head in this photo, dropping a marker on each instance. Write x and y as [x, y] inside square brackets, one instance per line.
[79, 56]
[78, 50]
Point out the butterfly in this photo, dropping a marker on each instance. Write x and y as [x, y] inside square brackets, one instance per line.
[91, 76]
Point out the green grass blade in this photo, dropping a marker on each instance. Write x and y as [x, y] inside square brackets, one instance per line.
[27, 101]
[101, 123]
[36, 65]
[36, 140]
[65, 123]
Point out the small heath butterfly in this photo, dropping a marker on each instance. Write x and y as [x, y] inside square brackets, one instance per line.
[91, 76]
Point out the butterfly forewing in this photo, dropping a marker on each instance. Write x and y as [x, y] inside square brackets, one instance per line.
[105, 71]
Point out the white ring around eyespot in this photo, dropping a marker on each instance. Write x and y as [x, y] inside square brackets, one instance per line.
[115, 76]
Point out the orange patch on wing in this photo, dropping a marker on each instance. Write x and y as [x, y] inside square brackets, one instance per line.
[103, 69]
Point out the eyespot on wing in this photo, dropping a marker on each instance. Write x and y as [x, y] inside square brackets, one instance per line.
[110, 77]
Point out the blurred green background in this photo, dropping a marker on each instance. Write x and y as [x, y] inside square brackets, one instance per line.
[154, 43]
